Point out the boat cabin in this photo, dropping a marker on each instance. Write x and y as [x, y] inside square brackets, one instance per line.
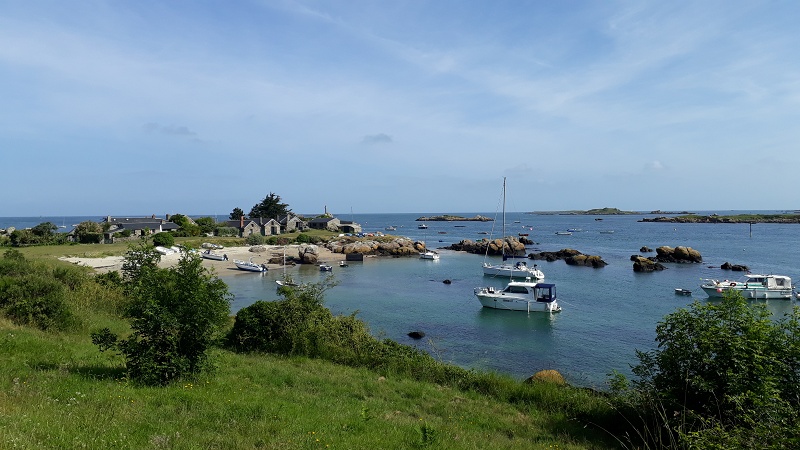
[541, 292]
[770, 281]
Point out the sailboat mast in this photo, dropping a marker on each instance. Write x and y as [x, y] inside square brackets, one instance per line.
[503, 246]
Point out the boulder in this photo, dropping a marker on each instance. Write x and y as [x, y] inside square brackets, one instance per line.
[585, 260]
[308, 254]
[416, 334]
[257, 249]
[547, 376]
[678, 254]
[642, 264]
[645, 249]
[734, 267]
[555, 256]
[398, 246]
[492, 247]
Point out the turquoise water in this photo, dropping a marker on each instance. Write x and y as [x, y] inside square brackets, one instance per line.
[607, 313]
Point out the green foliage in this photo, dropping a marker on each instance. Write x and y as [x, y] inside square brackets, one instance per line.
[164, 239]
[89, 232]
[176, 315]
[723, 373]
[271, 207]
[271, 240]
[254, 239]
[31, 295]
[236, 214]
[303, 238]
[180, 220]
[111, 279]
[227, 231]
[206, 224]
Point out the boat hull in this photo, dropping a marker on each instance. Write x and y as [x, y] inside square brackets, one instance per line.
[499, 301]
[249, 267]
[714, 291]
[511, 271]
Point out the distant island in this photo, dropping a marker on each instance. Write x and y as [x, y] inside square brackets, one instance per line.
[449, 218]
[589, 212]
[658, 211]
[738, 218]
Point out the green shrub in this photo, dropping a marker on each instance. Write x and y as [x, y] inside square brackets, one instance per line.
[227, 231]
[35, 300]
[176, 315]
[164, 239]
[724, 373]
[272, 240]
[303, 238]
[254, 239]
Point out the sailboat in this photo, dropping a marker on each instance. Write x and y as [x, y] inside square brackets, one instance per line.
[287, 279]
[519, 269]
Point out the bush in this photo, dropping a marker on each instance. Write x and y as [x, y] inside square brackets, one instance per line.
[176, 315]
[254, 239]
[35, 300]
[724, 374]
[163, 239]
[303, 238]
[227, 231]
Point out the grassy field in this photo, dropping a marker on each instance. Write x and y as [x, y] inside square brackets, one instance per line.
[57, 390]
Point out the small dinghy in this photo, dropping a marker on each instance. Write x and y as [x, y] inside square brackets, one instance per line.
[680, 291]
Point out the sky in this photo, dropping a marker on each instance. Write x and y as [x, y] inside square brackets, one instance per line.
[199, 107]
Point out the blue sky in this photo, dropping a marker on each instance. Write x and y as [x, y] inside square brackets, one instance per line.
[197, 107]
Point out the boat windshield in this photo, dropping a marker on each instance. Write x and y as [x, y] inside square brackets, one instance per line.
[514, 289]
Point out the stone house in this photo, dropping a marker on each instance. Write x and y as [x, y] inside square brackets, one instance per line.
[138, 226]
[291, 222]
[259, 226]
[325, 223]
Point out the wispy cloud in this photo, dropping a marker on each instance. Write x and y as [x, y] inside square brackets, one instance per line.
[379, 138]
[170, 130]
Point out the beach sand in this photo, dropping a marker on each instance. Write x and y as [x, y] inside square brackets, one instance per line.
[221, 268]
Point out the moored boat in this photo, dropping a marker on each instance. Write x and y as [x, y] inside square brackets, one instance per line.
[520, 296]
[752, 286]
[208, 254]
[680, 291]
[429, 255]
[250, 265]
[325, 268]
[564, 233]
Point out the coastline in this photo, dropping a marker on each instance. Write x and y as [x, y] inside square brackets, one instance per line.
[220, 268]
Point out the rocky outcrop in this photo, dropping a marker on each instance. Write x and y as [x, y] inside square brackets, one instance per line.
[642, 264]
[308, 254]
[680, 254]
[393, 246]
[645, 249]
[743, 218]
[555, 256]
[571, 257]
[448, 218]
[493, 247]
[734, 267]
[586, 261]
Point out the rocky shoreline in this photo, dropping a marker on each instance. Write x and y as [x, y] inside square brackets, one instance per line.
[783, 218]
[449, 218]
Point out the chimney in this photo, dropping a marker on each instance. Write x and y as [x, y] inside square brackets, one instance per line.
[241, 222]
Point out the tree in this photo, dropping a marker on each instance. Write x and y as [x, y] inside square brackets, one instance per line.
[725, 366]
[45, 231]
[89, 232]
[206, 224]
[270, 207]
[236, 214]
[163, 239]
[176, 315]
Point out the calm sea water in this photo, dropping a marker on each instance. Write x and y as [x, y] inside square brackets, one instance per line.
[607, 313]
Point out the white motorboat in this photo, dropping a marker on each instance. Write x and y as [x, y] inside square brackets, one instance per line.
[325, 268]
[564, 233]
[164, 250]
[250, 265]
[208, 254]
[520, 296]
[422, 226]
[343, 263]
[429, 255]
[752, 286]
[391, 228]
[508, 269]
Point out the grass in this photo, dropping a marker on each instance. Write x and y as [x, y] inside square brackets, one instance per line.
[58, 391]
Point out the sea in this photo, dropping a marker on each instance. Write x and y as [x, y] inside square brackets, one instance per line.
[607, 313]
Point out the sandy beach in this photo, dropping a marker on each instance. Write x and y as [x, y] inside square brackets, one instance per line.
[221, 268]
